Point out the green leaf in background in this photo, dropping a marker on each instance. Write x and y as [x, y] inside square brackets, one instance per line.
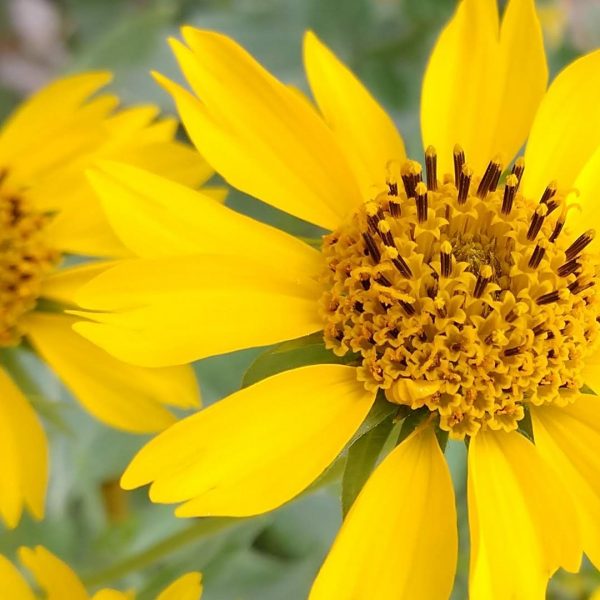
[361, 460]
[307, 350]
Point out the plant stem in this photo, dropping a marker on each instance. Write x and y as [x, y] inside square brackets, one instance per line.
[202, 528]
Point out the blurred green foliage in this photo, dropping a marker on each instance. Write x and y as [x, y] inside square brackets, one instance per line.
[117, 539]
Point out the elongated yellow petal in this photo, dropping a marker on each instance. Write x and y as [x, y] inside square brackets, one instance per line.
[591, 371]
[24, 455]
[119, 394]
[62, 285]
[187, 587]
[176, 310]
[522, 522]
[256, 449]
[53, 575]
[155, 217]
[566, 130]
[108, 594]
[12, 583]
[258, 134]
[483, 83]
[399, 539]
[364, 131]
[568, 438]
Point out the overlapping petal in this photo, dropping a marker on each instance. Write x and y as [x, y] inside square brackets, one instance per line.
[566, 130]
[256, 449]
[364, 131]
[258, 133]
[399, 539]
[483, 83]
[568, 438]
[522, 523]
[119, 394]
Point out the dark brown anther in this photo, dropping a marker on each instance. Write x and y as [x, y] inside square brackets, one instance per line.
[550, 297]
[464, 184]
[409, 309]
[490, 178]
[359, 307]
[518, 169]
[557, 229]
[411, 173]
[381, 279]
[421, 200]
[459, 162]
[512, 351]
[372, 248]
[549, 193]
[402, 266]
[483, 279]
[395, 209]
[537, 255]
[581, 284]
[579, 244]
[365, 282]
[510, 191]
[537, 221]
[446, 259]
[539, 328]
[569, 267]
[373, 221]
[431, 168]
[392, 188]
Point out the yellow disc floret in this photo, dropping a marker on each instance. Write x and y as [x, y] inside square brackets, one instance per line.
[462, 296]
[25, 258]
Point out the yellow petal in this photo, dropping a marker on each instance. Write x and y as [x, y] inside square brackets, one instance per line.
[399, 539]
[24, 454]
[53, 575]
[176, 310]
[522, 522]
[187, 587]
[258, 134]
[364, 131]
[483, 83]
[62, 285]
[591, 371]
[587, 191]
[156, 217]
[256, 449]
[566, 130]
[119, 394]
[568, 438]
[12, 584]
[108, 594]
[24, 128]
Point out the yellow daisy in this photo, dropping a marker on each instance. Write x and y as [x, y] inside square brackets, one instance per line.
[464, 297]
[47, 210]
[59, 582]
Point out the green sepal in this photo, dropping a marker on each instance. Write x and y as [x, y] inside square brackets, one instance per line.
[301, 352]
[412, 421]
[362, 459]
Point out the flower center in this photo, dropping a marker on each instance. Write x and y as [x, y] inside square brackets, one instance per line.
[462, 296]
[25, 258]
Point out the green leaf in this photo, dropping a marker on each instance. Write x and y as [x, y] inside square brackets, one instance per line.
[362, 458]
[308, 350]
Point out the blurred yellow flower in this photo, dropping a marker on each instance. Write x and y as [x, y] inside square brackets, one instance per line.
[445, 290]
[48, 210]
[59, 582]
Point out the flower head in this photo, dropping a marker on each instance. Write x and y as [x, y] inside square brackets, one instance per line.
[58, 581]
[48, 211]
[460, 289]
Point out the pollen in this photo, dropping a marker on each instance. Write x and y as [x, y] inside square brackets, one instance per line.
[25, 258]
[462, 296]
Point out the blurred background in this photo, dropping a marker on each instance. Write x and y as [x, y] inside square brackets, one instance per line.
[117, 539]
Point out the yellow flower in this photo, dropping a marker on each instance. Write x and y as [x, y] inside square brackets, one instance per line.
[59, 582]
[449, 290]
[47, 210]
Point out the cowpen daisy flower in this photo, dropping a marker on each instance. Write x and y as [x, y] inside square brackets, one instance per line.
[59, 582]
[48, 210]
[460, 288]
